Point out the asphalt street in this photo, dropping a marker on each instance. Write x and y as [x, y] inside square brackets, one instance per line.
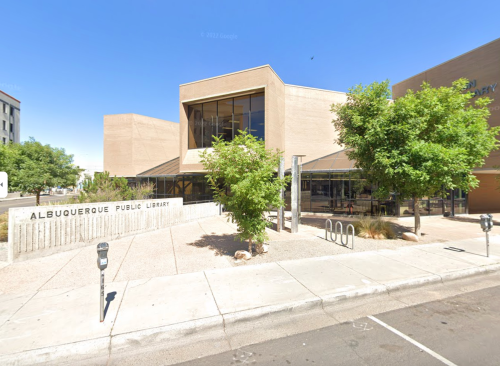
[29, 202]
[461, 330]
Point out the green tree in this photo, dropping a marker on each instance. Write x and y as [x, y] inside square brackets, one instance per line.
[6, 155]
[247, 170]
[35, 167]
[418, 144]
[104, 188]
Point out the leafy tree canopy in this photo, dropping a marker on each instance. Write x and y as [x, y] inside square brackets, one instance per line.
[33, 167]
[104, 188]
[417, 144]
[244, 168]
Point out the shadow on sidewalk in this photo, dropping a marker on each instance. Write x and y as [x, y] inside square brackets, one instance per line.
[110, 297]
[469, 219]
[225, 244]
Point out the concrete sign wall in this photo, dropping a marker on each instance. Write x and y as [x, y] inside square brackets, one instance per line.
[43, 230]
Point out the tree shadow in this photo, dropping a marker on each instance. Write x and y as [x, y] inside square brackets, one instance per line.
[471, 220]
[226, 244]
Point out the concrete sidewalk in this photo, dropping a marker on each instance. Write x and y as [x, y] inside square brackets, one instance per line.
[62, 324]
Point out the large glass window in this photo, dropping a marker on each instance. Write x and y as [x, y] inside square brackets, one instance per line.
[225, 115]
[320, 192]
[209, 123]
[194, 122]
[257, 116]
[241, 114]
[224, 118]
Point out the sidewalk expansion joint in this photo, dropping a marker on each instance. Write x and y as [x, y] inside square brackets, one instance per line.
[322, 303]
[173, 250]
[114, 323]
[60, 269]
[10, 317]
[220, 313]
[124, 258]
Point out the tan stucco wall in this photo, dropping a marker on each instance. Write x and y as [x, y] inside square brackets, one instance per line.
[308, 127]
[485, 198]
[134, 143]
[239, 83]
[298, 119]
[481, 64]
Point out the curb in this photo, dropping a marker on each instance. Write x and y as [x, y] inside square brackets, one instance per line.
[178, 334]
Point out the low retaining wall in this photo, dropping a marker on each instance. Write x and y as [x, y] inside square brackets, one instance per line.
[43, 230]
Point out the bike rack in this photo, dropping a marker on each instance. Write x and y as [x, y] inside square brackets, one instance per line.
[337, 224]
[326, 229]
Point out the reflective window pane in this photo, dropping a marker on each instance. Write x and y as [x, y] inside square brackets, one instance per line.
[241, 114]
[320, 192]
[169, 186]
[209, 122]
[160, 185]
[194, 123]
[225, 120]
[257, 120]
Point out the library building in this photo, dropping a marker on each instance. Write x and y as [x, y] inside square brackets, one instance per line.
[296, 120]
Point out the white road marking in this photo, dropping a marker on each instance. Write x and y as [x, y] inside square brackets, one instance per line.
[414, 342]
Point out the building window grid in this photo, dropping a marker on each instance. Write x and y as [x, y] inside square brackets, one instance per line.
[217, 120]
[454, 202]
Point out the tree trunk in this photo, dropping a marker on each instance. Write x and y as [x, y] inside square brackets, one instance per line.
[38, 198]
[250, 245]
[416, 208]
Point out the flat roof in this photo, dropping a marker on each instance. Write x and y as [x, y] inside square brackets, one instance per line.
[233, 73]
[10, 96]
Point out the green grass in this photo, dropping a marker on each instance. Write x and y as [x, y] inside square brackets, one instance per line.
[369, 227]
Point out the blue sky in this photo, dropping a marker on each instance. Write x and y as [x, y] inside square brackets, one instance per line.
[71, 62]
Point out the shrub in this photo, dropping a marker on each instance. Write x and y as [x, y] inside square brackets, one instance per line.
[4, 226]
[103, 188]
[369, 227]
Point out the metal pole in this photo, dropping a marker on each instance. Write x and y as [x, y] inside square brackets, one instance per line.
[299, 193]
[487, 244]
[281, 216]
[295, 194]
[102, 296]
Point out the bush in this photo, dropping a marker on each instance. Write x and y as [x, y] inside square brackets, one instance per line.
[4, 226]
[369, 227]
[103, 188]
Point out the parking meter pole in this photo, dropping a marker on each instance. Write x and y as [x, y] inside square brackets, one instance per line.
[102, 264]
[102, 296]
[487, 244]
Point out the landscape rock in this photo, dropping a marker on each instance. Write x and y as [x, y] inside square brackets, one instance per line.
[242, 254]
[262, 248]
[410, 237]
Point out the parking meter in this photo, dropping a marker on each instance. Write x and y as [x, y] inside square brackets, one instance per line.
[102, 264]
[102, 255]
[487, 224]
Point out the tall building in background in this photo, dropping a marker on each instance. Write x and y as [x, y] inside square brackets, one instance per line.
[10, 116]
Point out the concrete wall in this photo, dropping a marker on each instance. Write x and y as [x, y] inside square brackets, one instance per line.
[134, 143]
[239, 83]
[14, 105]
[44, 230]
[308, 128]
